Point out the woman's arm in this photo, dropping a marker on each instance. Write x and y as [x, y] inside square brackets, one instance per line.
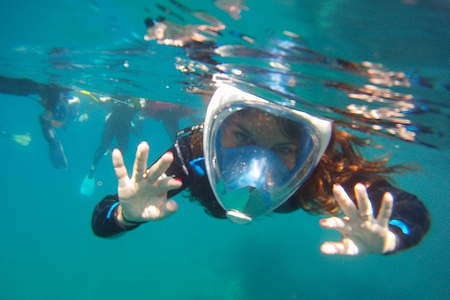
[382, 219]
[108, 215]
[19, 86]
[104, 219]
[410, 219]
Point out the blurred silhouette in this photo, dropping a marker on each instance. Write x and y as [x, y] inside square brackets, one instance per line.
[127, 116]
[60, 106]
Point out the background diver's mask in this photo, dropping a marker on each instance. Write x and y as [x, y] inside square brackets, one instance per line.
[65, 109]
[258, 153]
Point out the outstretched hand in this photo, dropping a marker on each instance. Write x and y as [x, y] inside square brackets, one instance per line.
[361, 231]
[143, 197]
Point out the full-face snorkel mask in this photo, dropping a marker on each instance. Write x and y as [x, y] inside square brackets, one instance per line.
[258, 153]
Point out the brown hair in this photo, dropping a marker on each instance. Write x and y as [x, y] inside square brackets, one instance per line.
[341, 164]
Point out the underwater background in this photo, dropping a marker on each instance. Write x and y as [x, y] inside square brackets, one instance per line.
[48, 250]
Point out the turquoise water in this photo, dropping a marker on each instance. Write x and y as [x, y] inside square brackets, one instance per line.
[47, 248]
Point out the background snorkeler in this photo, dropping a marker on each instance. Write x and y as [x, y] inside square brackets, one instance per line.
[60, 107]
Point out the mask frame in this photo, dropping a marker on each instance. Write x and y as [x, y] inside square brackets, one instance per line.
[228, 100]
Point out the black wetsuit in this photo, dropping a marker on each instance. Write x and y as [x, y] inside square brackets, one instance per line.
[118, 125]
[409, 221]
[50, 99]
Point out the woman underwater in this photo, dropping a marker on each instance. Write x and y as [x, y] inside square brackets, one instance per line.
[252, 157]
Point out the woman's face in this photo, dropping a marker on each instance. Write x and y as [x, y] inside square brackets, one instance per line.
[255, 127]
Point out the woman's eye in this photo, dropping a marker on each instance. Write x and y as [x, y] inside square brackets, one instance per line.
[241, 137]
[285, 150]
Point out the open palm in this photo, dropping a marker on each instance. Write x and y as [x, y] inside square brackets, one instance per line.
[361, 231]
[143, 196]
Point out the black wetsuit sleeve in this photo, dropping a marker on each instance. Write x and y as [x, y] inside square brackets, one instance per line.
[104, 222]
[19, 86]
[410, 220]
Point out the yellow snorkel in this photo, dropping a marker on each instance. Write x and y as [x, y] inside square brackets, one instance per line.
[98, 98]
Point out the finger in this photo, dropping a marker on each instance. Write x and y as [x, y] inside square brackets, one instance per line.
[363, 201]
[170, 207]
[154, 212]
[333, 223]
[344, 201]
[140, 162]
[346, 247]
[167, 209]
[119, 168]
[331, 248]
[385, 212]
[160, 167]
[170, 183]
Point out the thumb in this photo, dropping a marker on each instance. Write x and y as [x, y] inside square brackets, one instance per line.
[153, 212]
[345, 247]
